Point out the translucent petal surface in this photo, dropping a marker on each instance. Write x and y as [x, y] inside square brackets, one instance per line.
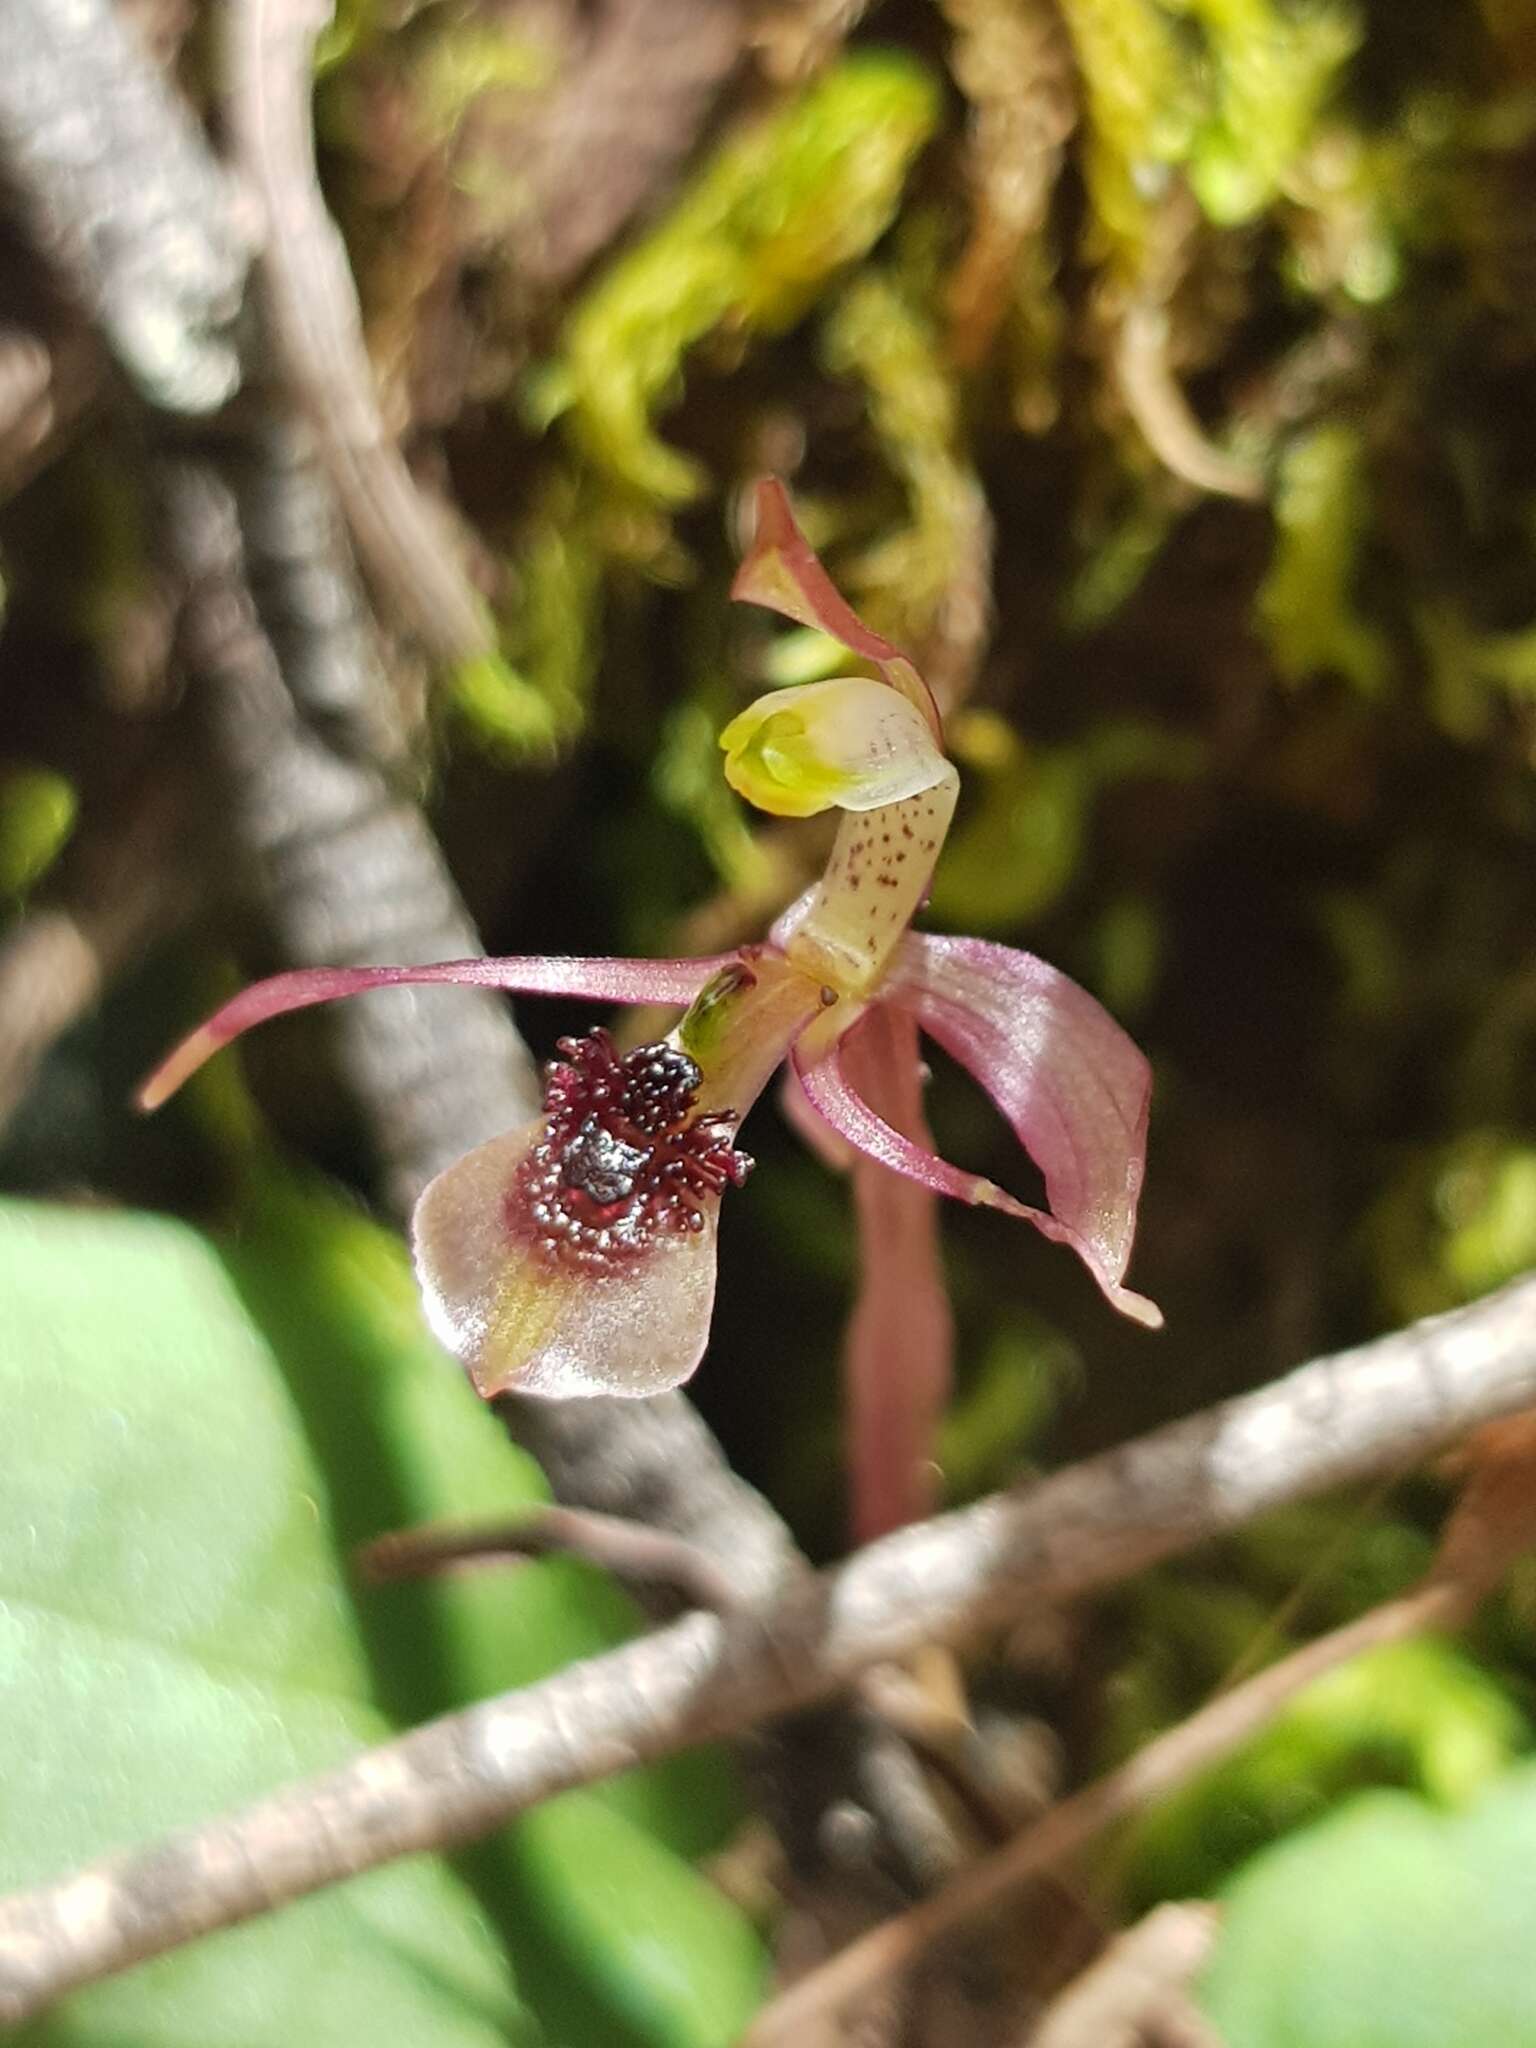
[551, 974]
[520, 1323]
[1071, 1083]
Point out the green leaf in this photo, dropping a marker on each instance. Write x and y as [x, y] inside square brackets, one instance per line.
[175, 1637]
[1389, 1925]
[194, 1440]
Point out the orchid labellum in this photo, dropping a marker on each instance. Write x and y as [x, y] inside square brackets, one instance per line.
[577, 1255]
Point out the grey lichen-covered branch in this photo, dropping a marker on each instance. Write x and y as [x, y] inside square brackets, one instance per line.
[343, 865]
[1377, 1407]
[124, 195]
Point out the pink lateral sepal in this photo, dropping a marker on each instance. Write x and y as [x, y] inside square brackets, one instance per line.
[1073, 1086]
[543, 974]
[833, 1097]
[810, 1127]
[782, 572]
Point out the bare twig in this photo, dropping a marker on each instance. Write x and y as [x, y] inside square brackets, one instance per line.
[1110, 2003]
[317, 330]
[655, 1461]
[1494, 1522]
[1164, 1764]
[635, 1554]
[708, 1676]
[124, 196]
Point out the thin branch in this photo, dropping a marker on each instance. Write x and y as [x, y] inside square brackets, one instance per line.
[635, 1554]
[125, 197]
[1166, 1763]
[1110, 2003]
[317, 330]
[657, 1462]
[708, 1676]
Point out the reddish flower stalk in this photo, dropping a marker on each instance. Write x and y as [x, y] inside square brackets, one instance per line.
[899, 1347]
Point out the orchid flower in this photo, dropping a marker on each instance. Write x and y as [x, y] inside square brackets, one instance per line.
[576, 1255]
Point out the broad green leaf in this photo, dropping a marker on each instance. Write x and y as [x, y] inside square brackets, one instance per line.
[1391, 1924]
[175, 1637]
[195, 1439]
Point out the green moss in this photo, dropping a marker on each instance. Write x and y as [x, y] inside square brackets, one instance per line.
[1306, 605]
[785, 203]
[880, 337]
[37, 815]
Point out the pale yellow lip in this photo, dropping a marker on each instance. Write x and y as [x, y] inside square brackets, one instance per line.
[848, 743]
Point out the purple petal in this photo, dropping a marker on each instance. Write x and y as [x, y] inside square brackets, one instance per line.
[781, 571]
[545, 974]
[1068, 1079]
[518, 1322]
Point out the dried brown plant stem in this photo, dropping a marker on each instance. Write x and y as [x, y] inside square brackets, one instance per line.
[1014, 65]
[316, 327]
[1140, 1975]
[1156, 402]
[1336, 1419]
[634, 83]
[1166, 1763]
[1494, 1523]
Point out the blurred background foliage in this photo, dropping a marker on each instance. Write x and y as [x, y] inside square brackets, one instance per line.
[1161, 373]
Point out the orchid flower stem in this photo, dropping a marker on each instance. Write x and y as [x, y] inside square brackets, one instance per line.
[900, 1338]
